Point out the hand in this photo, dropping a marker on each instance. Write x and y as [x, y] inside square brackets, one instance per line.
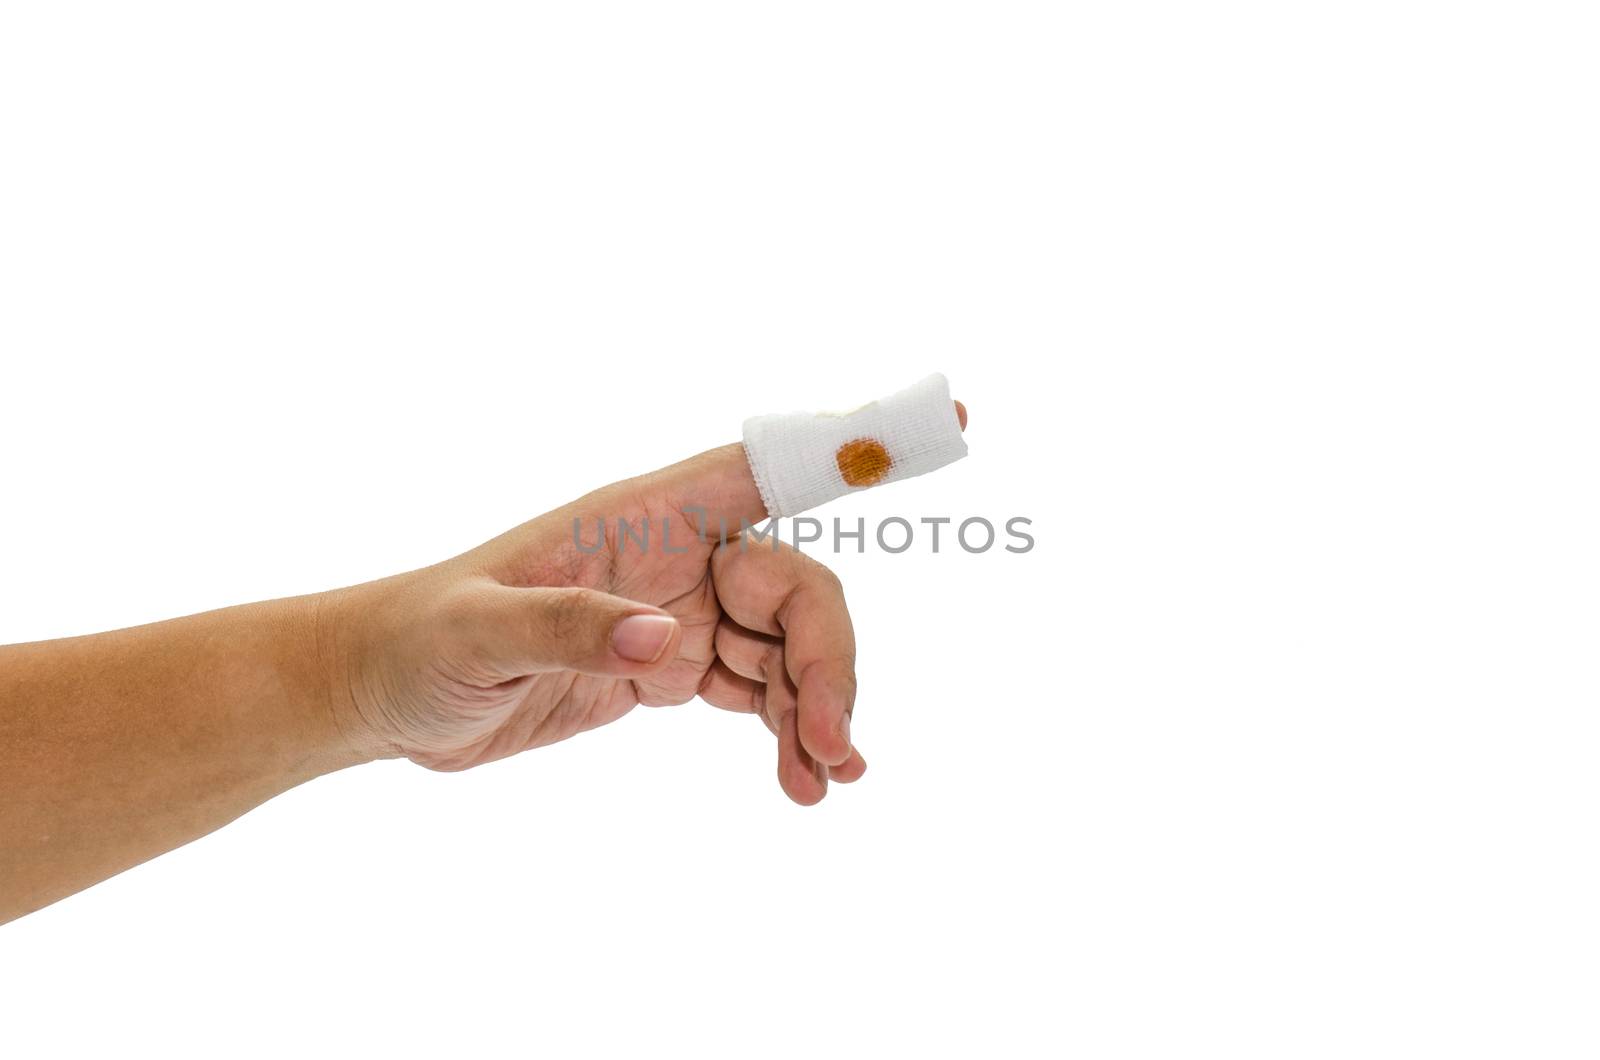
[531, 638]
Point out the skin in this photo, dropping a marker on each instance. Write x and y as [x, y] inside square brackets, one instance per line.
[117, 747]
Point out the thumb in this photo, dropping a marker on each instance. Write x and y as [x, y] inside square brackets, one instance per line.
[512, 632]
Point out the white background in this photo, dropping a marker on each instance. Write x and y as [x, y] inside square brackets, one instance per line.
[1279, 320]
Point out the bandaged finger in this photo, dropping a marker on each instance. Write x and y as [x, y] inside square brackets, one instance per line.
[803, 459]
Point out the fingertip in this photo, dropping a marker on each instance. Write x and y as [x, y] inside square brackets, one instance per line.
[852, 770]
[804, 786]
[824, 706]
[802, 778]
[829, 748]
[961, 415]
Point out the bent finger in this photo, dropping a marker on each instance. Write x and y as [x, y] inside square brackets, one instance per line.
[780, 592]
[745, 651]
[724, 688]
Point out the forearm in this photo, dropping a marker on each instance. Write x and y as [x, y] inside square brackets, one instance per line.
[119, 746]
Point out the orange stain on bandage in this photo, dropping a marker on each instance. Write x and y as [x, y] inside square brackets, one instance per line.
[863, 461]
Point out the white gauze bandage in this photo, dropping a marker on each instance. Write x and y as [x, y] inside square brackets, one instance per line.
[803, 459]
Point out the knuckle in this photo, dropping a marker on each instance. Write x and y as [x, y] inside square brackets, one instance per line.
[772, 662]
[819, 575]
[566, 611]
[831, 580]
[456, 614]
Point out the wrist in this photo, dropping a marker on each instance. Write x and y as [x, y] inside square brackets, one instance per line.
[335, 645]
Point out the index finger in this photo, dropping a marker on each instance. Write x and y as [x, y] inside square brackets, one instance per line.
[719, 482]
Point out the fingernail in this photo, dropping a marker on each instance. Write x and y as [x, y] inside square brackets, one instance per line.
[844, 728]
[642, 638]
